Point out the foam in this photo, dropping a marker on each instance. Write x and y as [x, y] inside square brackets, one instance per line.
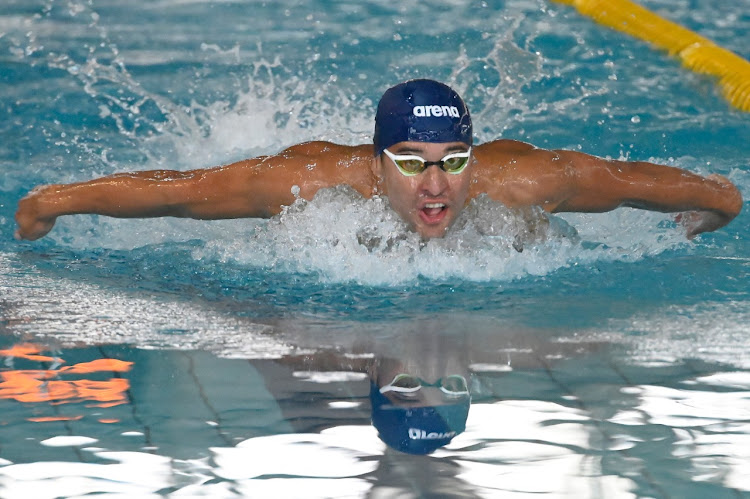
[343, 237]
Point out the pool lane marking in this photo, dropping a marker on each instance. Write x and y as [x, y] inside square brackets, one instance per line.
[696, 52]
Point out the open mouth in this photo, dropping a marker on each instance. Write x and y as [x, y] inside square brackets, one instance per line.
[433, 212]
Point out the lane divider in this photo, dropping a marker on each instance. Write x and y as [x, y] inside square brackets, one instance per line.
[696, 52]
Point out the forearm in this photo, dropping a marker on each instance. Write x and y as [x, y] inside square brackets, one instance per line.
[142, 194]
[224, 192]
[601, 185]
[207, 194]
[669, 189]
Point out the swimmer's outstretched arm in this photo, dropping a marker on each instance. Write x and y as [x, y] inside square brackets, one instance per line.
[207, 194]
[596, 185]
[518, 174]
[256, 188]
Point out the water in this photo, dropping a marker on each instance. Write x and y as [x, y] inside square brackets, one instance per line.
[610, 356]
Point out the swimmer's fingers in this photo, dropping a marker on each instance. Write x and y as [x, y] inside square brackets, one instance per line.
[698, 222]
[34, 231]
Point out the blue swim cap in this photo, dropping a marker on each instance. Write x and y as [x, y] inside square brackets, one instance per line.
[421, 111]
[416, 430]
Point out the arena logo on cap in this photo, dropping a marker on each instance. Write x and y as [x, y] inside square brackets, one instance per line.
[417, 434]
[436, 111]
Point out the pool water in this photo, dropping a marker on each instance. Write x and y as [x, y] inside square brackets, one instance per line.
[183, 358]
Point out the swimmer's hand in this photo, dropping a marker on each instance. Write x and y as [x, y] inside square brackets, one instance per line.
[698, 222]
[32, 222]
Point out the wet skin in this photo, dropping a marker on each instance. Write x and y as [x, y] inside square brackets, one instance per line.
[430, 201]
[510, 172]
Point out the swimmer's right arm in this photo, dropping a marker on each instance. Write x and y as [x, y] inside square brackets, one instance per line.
[233, 191]
[254, 188]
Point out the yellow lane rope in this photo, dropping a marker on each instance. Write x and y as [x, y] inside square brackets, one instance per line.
[696, 52]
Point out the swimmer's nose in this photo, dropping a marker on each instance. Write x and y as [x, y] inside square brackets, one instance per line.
[434, 181]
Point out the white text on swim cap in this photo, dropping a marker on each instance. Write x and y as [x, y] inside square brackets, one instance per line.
[436, 111]
[417, 434]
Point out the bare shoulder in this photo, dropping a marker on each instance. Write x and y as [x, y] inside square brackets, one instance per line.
[329, 150]
[314, 158]
[512, 152]
[502, 147]
[322, 164]
[520, 174]
[310, 166]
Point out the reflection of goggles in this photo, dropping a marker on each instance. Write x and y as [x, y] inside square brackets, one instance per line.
[406, 384]
[410, 164]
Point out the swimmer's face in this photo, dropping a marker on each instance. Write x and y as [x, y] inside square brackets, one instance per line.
[386, 369]
[431, 201]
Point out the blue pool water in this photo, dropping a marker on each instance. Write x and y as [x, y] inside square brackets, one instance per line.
[228, 359]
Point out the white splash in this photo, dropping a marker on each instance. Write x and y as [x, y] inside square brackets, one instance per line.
[344, 237]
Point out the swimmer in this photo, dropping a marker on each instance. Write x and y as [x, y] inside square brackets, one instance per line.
[422, 158]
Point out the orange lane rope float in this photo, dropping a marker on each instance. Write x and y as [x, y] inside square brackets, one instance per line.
[696, 52]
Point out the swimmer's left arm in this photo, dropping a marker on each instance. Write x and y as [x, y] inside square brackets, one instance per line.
[592, 184]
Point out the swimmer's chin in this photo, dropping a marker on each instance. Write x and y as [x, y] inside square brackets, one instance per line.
[431, 232]
[433, 226]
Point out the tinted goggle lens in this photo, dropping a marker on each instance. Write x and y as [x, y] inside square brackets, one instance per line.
[410, 166]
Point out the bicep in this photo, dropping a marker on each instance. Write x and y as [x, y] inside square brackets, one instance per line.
[570, 181]
[590, 184]
[260, 187]
[561, 181]
[528, 177]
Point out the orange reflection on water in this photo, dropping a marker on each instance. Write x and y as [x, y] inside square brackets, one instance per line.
[44, 385]
[43, 419]
[27, 351]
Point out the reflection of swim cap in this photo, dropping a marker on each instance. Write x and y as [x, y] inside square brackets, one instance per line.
[416, 430]
[421, 111]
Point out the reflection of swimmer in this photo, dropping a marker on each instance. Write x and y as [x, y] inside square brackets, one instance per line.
[415, 415]
[418, 404]
[419, 124]
[424, 375]
[419, 381]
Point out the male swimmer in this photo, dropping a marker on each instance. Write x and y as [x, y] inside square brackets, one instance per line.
[423, 159]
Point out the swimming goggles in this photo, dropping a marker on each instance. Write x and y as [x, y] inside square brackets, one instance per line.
[406, 384]
[410, 164]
